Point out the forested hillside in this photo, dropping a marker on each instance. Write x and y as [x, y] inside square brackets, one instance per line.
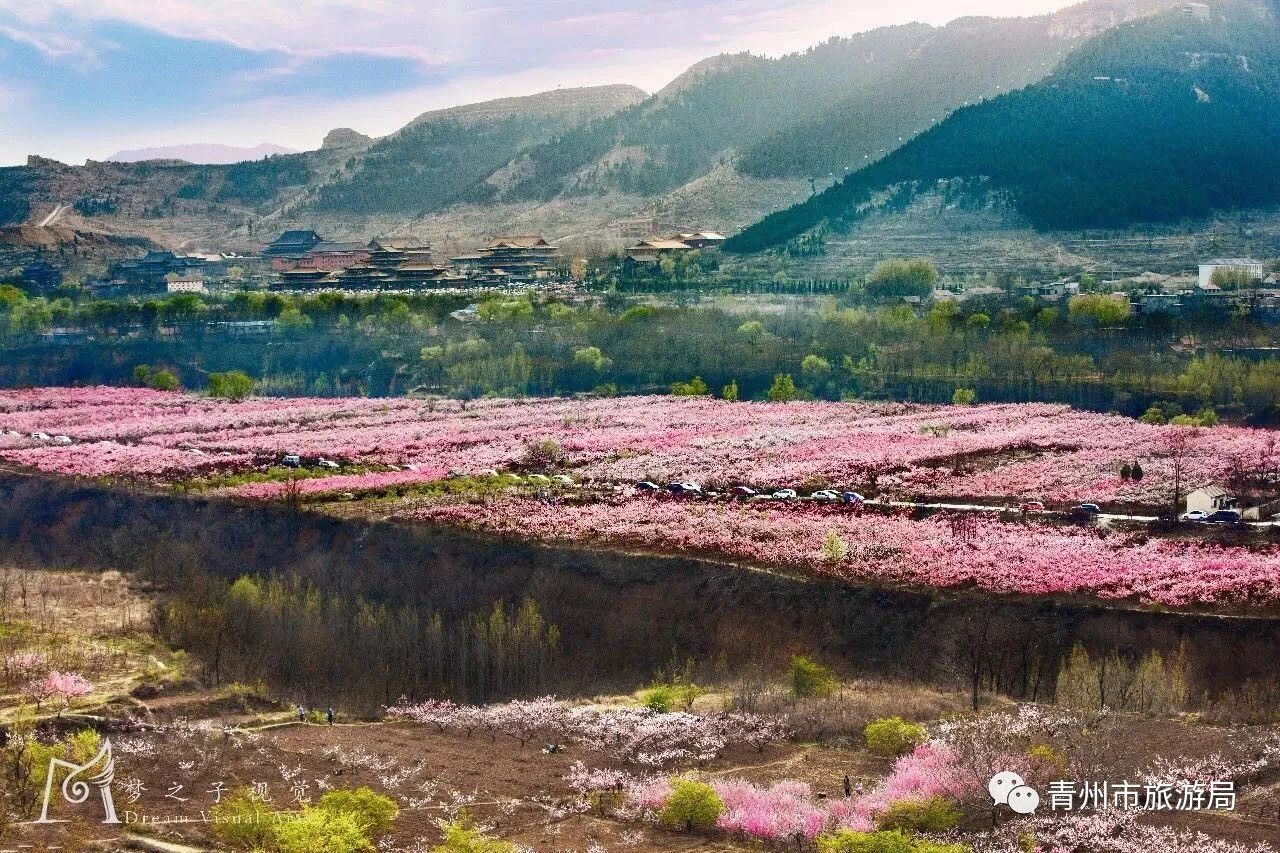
[440, 158]
[1158, 120]
[810, 114]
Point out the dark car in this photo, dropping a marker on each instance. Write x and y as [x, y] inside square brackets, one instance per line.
[1087, 509]
[742, 492]
[646, 486]
[1223, 516]
[688, 489]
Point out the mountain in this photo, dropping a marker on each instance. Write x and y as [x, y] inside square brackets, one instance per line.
[439, 157]
[205, 153]
[1161, 119]
[805, 114]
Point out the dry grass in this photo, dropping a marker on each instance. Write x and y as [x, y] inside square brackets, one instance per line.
[94, 624]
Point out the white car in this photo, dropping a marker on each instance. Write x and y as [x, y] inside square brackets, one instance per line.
[291, 460]
[1194, 515]
[62, 439]
[562, 479]
[40, 436]
[825, 495]
[785, 495]
[328, 463]
[541, 479]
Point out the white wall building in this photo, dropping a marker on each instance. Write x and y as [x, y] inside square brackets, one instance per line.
[186, 285]
[1256, 269]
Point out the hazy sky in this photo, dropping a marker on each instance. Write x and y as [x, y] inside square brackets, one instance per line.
[84, 78]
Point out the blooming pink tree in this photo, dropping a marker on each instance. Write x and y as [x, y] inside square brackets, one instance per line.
[60, 687]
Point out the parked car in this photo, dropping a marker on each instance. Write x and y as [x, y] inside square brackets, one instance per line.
[1087, 509]
[689, 489]
[62, 439]
[1193, 515]
[646, 486]
[541, 479]
[329, 463]
[743, 492]
[1223, 516]
[40, 436]
[852, 498]
[785, 495]
[1031, 506]
[291, 460]
[829, 495]
[562, 479]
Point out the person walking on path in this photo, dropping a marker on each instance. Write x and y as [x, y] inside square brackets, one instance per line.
[848, 787]
[302, 714]
[329, 716]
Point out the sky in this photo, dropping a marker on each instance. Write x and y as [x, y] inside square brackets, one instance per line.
[85, 78]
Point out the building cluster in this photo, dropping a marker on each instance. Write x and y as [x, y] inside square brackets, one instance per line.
[159, 271]
[652, 250]
[304, 260]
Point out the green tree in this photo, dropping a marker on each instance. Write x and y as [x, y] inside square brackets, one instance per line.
[934, 814]
[783, 389]
[232, 385]
[692, 805]
[373, 812]
[593, 358]
[730, 391]
[242, 821]
[1098, 309]
[1233, 278]
[461, 836]
[695, 387]
[890, 736]
[163, 380]
[814, 370]
[964, 397]
[810, 678]
[897, 278]
[887, 841]
[320, 829]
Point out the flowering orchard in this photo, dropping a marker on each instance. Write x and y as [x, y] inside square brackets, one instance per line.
[1040, 451]
[993, 555]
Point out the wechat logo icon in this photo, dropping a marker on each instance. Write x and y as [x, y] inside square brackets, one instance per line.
[1009, 789]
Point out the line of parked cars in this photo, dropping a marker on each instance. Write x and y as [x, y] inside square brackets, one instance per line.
[746, 493]
[1222, 516]
[44, 436]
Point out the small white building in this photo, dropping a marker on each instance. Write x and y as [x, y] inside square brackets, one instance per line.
[1256, 269]
[1211, 498]
[186, 285]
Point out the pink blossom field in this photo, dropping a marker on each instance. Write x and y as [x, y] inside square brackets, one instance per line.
[1032, 451]
[1000, 557]
[1011, 452]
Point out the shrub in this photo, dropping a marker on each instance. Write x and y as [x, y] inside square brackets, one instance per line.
[372, 811]
[242, 821]
[893, 841]
[834, 549]
[695, 387]
[932, 815]
[964, 397]
[660, 698]
[730, 391]
[320, 829]
[891, 736]
[233, 385]
[692, 804]
[460, 836]
[1052, 760]
[810, 678]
